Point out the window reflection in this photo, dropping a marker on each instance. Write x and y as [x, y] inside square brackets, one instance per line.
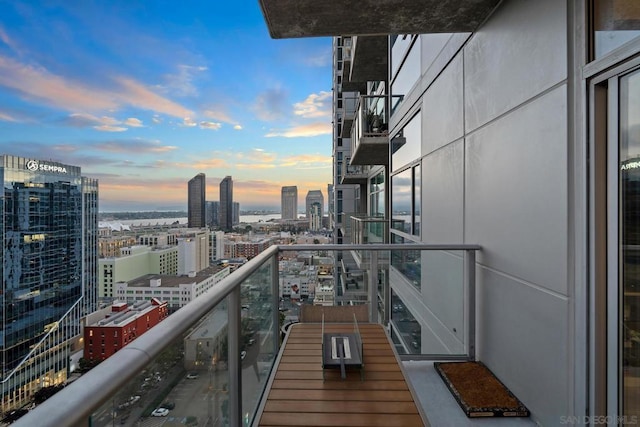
[408, 329]
[615, 22]
[401, 201]
[630, 240]
[407, 262]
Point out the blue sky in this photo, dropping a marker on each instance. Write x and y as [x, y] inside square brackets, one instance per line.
[143, 95]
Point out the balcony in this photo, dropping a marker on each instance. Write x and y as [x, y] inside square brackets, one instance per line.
[369, 59]
[220, 361]
[349, 105]
[370, 131]
[291, 19]
[354, 174]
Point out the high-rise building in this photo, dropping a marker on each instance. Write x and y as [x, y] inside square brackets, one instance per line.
[196, 201]
[289, 202]
[226, 204]
[236, 213]
[49, 237]
[212, 214]
[314, 197]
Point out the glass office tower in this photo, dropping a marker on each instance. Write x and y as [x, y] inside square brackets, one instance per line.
[48, 220]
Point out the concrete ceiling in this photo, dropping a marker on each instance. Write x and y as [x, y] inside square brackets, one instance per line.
[321, 18]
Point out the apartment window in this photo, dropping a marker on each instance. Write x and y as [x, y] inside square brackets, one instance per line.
[401, 201]
[614, 22]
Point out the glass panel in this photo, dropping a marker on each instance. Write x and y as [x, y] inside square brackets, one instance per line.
[401, 201]
[408, 330]
[188, 381]
[416, 200]
[406, 262]
[258, 337]
[630, 240]
[615, 22]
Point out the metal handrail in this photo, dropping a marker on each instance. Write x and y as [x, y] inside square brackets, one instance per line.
[73, 405]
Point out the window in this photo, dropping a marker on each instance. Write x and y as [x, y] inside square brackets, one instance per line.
[615, 22]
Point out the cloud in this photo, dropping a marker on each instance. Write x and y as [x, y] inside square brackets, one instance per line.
[218, 115]
[237, 127]
[307, 161]
[4, 38]
[271, 105]
[103, 124]
[315, 106]
[208, 164]
[181, 83]
[187, 122]
[133, 122]
[309, 130]
[320, 59]
[140, 96]
[136, 146]
[210, 125]
[109, 128]
[7, 118]
[156, 119]
[37, 83]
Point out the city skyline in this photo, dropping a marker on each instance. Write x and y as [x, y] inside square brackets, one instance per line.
[145, 96]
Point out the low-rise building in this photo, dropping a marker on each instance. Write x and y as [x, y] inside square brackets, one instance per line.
[121, 324]
[177, 291]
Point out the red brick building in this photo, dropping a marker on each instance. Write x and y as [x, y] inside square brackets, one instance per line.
[122, 325]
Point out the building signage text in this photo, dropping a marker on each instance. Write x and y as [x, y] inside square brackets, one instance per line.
[34, 166]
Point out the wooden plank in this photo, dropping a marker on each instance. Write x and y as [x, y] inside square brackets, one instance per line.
[335, 375]
[366, 395]
[346, 407]
[339, 385]
[356, 420]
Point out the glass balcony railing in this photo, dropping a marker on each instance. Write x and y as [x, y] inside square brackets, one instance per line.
[367, 229]
[354, 174]
[209, 363]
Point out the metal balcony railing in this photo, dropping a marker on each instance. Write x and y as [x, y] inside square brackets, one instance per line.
[211, 360]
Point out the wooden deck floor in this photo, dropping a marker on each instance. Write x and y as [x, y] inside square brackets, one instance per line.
[300, 397]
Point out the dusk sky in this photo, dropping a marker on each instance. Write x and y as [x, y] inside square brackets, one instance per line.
[144, 95]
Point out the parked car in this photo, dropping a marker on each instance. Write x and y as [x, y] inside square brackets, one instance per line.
[160, 412]
[192, 375]
[243, 355]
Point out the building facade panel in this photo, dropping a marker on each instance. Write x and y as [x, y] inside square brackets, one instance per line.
[520, 52]
[442, 106]
[443, 195]
[516, 218]
[523, 338]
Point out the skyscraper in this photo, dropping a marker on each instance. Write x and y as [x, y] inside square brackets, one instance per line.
[226, 204]
[212, 212]
[49, 271]
[196, 201]
[314, 196]
[289, 204]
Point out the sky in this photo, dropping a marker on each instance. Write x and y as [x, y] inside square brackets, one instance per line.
[144, 95]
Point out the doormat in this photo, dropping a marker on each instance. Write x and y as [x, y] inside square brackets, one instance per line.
[478, 392]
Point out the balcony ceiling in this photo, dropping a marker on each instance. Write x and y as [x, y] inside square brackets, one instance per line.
[313, 18]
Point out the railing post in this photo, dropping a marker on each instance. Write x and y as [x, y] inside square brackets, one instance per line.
[235, 375]
[373, 287]
[275, 290]
[470, 297]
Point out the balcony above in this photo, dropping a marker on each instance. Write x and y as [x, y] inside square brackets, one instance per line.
[295, 18]
[369, 132]
[369, 59]
[354, 174]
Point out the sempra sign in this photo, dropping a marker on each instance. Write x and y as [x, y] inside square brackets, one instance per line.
[34, 166]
